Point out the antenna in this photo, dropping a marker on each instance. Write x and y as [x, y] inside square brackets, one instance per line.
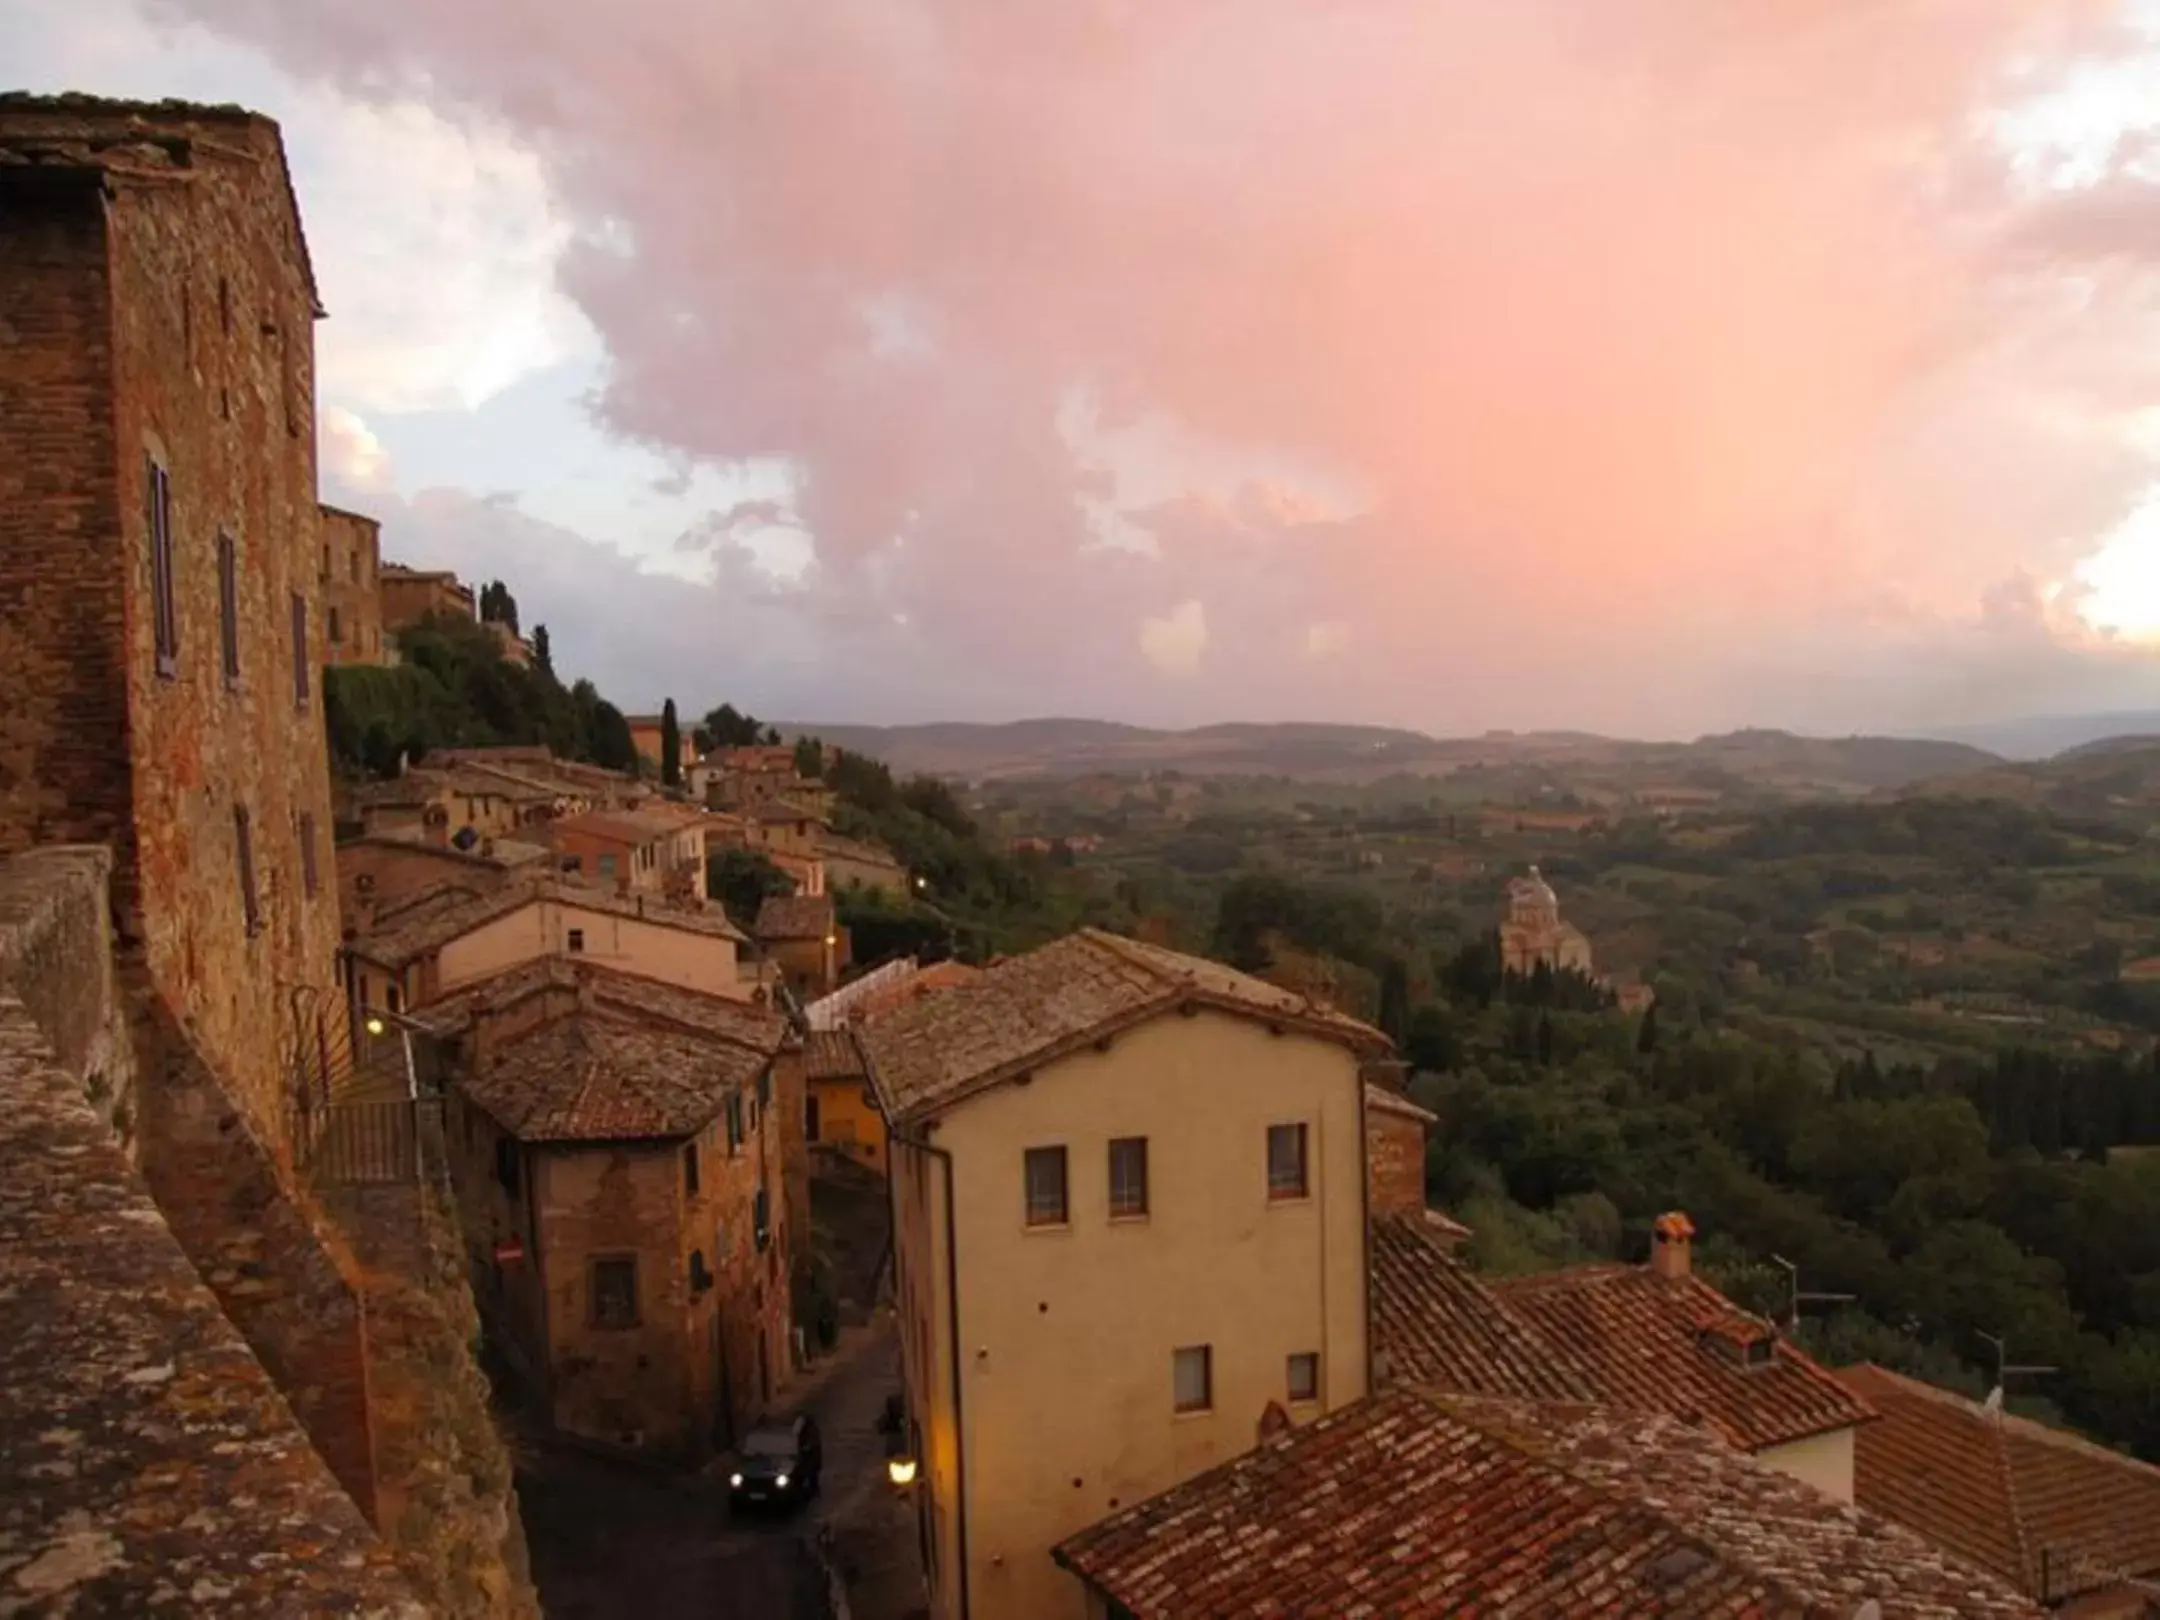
[1796, 1296]
[2005, 1370]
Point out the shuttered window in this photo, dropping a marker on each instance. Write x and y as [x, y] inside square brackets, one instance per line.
[164, 608]
[299, 652]
[228, 587]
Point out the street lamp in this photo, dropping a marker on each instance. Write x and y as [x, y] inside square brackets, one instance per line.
[900, 1470]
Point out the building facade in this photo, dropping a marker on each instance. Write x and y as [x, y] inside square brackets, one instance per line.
[1533, 936]
[618, 1164]
[352, 589]
[1128, 1196]
[412, 594]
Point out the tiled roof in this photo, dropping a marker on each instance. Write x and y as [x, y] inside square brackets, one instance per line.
[1382, 1100]
[746, 1024]
[594, 1077]
[420, 929]
[2055, 1514]
[1437, 1323]
[855, 849]
[833, 1010]
[794, 916]
[1032, 1008]
[782, 809]
[1652, 1344]
[610, 826]
[1412, 1505]
[831, 1054]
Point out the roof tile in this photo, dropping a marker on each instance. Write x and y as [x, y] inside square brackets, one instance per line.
[1413, 1504]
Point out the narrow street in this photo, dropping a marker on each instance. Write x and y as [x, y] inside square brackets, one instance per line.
[612, 1539]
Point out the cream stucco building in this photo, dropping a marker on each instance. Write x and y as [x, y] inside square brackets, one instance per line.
[1129, 1207]
[1533, 936]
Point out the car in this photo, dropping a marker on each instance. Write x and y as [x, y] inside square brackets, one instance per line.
[777, 1465]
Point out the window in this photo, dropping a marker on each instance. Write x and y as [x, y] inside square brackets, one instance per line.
[577, 939]
[299, 652]
[690, 1169]
[1305, 1376]
[228, 591]
[506, 1163]
[336, 632]
[810, 1118]
[1128, 1177]
[734, 1122]
[244, 851]
[607, 869]
[764, 1088]
[761, 1219]
[164, 608]
[1044, 1168]
[310, 872]
[1286, 1161]
[1192, 1378]
[614, 1293]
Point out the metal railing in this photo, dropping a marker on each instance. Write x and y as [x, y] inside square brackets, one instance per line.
[370, 1144]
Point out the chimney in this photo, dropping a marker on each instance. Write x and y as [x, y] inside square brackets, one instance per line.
[1672, 1245]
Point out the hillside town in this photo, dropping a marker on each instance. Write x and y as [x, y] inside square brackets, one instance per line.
[412, 1168]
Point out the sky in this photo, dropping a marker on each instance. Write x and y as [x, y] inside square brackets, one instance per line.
[1644, 366]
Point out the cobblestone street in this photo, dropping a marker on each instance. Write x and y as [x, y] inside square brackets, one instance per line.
[613, 1539]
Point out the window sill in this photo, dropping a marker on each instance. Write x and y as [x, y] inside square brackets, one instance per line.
[1185, 1414]
[1281, 1200]
[1136, 1218]
[1046, 1227]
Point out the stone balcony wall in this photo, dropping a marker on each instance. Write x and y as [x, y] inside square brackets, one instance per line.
[152, 1466]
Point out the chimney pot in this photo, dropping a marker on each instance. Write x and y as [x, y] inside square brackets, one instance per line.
[1672, 1245]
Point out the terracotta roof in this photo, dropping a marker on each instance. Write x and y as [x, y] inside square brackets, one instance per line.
[1381, 1099]
[1033, 1008]
[593, 1076]
[856, 849]
[746, 1024]
[782, 809]
[831, 1054]
[2052, 1513]
[1653, 1344]
[1411, 1505]
[1437, 1323]
[431, 920]
[794, 916]
[612, 826]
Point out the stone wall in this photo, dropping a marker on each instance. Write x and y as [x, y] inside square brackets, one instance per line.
[352, 598]
[153, 1462]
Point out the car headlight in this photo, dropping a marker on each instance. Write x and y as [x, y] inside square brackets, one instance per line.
[735, 1480]
[781, 1482]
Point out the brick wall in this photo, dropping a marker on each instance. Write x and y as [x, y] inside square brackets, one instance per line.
[1395, 1160]
[63, 608]
[56, 959]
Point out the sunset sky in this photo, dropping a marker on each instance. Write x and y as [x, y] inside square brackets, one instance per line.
[1648, 366]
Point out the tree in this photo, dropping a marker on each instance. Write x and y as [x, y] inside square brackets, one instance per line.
[1647, 1036]
[1394, 1015]
[742, 880]
[612, 744]
[670, 746]
[543, 656]
[809, 758]
[498, 606]
[728, 727]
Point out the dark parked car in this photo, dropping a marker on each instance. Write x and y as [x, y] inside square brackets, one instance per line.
[779, 1463]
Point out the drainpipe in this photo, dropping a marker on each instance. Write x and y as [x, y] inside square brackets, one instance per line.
[952, 1326]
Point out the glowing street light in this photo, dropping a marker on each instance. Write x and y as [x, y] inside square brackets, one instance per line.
[900, 1470]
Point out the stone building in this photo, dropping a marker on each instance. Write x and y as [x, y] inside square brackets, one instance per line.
[1533, 936]
[159, 571]
[162, 629]
[618, 1163]
[801, 935]
[412, 594]
[352, 591]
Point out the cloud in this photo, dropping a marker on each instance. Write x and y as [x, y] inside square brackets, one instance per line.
[1657, 351]
[350, 456]
[1177, 641]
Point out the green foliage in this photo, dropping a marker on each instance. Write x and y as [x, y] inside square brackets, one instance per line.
[543, 652]
[454, 689]
[742, 880]
[729, 727]
[809, 758]
[498, 606]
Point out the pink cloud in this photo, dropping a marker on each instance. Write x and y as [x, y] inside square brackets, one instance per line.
[1652, 335]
